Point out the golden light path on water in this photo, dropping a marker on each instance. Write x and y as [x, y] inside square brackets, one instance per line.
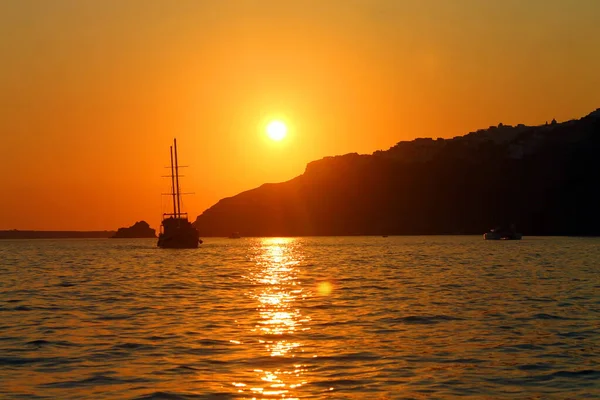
[277, 291]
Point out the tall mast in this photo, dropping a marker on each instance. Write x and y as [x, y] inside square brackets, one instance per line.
[177, 180]
[173, 182]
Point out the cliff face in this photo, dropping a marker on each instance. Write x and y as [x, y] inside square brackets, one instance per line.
[542, 178]
[140, 229]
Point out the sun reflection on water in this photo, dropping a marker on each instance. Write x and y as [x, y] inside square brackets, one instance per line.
[277, 292]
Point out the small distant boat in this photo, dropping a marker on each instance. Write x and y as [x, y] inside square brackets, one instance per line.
[503, 234]
[235, 235]
[176, 232]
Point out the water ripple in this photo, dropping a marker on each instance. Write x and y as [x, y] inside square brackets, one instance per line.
[301, 318]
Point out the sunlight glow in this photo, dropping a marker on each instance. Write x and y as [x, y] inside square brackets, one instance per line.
[276, 130]
[325, 288]
[275, 291]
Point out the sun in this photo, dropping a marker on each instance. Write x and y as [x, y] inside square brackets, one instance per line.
[276, 130]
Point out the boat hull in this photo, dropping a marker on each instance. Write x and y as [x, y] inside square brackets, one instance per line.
[178, 242]
[500, 236]
[178, 233]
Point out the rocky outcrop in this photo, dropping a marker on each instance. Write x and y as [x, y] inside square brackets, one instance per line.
[541, 178]
[140, 229]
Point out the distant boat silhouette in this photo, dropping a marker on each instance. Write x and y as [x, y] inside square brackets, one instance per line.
[235, 235]
[503, 234]
[176, 232]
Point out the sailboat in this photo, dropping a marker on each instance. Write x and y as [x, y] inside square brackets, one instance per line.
[176, 232]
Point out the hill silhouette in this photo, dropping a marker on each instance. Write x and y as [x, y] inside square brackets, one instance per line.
[541, 178]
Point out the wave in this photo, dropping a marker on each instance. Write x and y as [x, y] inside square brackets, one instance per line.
[45, 343]
[422, 319]
[95, 380]
[551, 316]
[181, 396]
[133, 346]
[578, 376]
[13, 361]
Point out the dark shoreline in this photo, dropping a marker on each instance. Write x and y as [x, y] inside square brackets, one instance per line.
[17, 234]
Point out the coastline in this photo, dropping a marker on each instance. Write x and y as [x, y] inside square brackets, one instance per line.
[18, 234]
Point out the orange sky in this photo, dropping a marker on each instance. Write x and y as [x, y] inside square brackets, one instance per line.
[92, 92]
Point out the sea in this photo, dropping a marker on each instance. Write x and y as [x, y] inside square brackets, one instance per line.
[426, 317]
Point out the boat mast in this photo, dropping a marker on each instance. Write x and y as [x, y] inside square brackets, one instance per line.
[177, 180]
[173, 182]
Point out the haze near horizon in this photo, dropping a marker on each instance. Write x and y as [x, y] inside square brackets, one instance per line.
[94, 92]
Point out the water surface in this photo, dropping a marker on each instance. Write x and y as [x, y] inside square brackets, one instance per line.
[301, 318]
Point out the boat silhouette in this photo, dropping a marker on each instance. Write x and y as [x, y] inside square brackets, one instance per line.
[176, 231]
[500, 233]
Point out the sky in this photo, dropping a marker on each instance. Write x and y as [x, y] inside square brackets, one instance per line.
[92, 93]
